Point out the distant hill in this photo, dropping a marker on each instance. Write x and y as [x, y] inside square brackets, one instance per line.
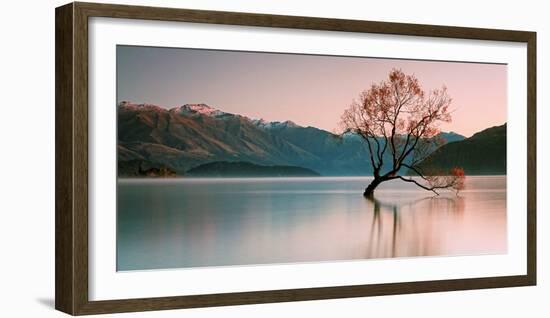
[143, 168]
[247, 169]
[483, 153]
[191, 135]
[451, 136]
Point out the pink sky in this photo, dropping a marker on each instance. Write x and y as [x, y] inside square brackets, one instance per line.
[309, 90]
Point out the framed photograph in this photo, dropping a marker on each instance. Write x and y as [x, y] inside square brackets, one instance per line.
[211, 158]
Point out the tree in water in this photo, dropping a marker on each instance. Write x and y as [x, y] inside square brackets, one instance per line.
[399, 122]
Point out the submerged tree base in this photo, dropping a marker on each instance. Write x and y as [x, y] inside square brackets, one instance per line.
[398, 117]
[368, 194]
[369, 190]
[453, 181]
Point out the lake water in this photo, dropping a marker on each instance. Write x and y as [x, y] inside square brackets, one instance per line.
[173, 223]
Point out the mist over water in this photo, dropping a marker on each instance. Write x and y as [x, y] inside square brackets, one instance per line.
[174, 223]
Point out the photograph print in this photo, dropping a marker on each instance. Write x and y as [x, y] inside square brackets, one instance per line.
[232, 158]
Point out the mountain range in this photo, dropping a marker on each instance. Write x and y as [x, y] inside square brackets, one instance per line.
[191, 135]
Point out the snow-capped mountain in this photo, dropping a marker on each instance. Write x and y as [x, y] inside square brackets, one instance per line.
[274, 124]
[199, 109]
[207, 110]
[184, 137]
[204, 109]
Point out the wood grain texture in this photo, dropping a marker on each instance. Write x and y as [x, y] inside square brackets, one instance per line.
[297, 22]
[80, 146]
[165, 303]
[72, 158]
[532, 158]
[64, 235]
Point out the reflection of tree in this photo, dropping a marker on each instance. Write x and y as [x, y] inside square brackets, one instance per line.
[391, 234]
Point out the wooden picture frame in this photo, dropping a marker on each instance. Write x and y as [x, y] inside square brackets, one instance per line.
[71, 90]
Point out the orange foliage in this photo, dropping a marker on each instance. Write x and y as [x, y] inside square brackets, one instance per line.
[460, 177]
[398, 117]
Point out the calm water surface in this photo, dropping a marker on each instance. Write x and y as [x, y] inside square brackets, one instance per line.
[170, 223]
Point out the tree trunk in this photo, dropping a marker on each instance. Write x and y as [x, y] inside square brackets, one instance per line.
[369, 191]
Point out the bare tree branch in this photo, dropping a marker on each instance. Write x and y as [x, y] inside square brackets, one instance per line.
[397, 114]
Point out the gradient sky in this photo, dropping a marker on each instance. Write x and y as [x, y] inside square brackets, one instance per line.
[310, 90]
